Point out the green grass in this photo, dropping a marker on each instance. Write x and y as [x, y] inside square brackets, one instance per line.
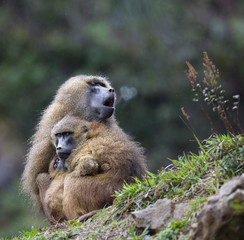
[192, 175]
[192, 178]
[100, 226]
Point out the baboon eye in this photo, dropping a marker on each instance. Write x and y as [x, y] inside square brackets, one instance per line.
[85, 128]
[67, 134]
[94, 89]
[96, 83]
[64, 134]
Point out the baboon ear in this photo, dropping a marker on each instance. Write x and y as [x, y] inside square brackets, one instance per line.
[85, 128]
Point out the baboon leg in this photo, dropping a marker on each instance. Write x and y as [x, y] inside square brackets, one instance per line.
[43, 182]
[87, 216]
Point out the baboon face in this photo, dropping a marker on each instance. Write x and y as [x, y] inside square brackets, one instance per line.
[88, 97]
[66, 134]
[101, 100]
[59, 164]
[64, 144]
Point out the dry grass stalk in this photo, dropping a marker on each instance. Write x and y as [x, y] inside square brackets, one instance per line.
[210, 91]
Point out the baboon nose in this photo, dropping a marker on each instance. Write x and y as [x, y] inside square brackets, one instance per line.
[111, 90]
[58, 148]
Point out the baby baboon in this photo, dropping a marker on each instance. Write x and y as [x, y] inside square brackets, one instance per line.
[98, 166]
[66, 135]
[87, 97]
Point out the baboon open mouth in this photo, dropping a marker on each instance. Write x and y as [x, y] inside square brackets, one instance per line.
[109, 102]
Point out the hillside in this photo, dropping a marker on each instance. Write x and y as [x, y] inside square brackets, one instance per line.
[184, 187]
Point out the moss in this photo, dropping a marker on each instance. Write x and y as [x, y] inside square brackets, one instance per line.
[237, 206]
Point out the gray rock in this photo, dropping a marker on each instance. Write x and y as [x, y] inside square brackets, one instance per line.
[231, 186]
[180, 210]
[159, 214]
[222, 218]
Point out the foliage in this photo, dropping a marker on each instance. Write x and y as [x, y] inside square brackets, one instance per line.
[134, 236]
[139, 45]
[99, 226]
[192, 178]
[17, 213]
[192, 175]
[31, 234]
[212, 93]
[171, 230]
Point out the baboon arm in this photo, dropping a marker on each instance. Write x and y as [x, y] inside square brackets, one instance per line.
[38, 161]
[42, 150]
[85, 166]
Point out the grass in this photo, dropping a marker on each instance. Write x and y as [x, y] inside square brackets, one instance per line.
[99, 226]
[191, 178]
[192, 175]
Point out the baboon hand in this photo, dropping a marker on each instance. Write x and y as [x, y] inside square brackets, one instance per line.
[86, 166]
[105, 167]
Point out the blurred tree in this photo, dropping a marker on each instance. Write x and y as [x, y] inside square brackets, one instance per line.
[137, 44]
[140, 45]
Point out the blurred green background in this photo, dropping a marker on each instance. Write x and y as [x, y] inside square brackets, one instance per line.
[140, 45]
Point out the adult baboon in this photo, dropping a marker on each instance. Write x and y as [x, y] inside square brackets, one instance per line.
[91, 99]
[87, 97]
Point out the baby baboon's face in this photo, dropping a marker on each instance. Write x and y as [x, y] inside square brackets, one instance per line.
[64, 144]
[66, 141]
[59, 164]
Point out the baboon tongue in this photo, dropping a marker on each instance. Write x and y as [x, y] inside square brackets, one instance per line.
[109, 102]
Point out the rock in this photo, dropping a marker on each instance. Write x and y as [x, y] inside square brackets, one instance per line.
[158, 215]
[180, 210]
[222, 218]
[232, 185]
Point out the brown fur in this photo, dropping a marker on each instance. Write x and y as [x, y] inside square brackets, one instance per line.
[106, 143]
[51, 195]
[51, 185]
[118, 157]
[105, 146]
[70, 99]
[79, 131]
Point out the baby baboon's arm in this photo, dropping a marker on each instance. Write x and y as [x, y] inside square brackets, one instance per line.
[85, 166]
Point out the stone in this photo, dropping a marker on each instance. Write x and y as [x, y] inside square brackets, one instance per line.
[180, 210]
[158, 215]
[230, 186]
[222, 217]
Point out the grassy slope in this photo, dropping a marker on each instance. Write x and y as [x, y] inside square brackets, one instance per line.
[192, 178]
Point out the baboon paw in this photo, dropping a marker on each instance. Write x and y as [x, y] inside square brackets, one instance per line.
[88, 167]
